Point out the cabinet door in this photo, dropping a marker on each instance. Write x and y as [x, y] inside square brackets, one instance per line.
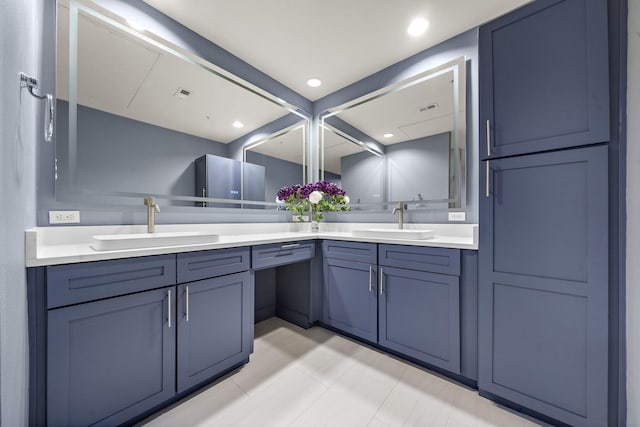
[215, 327]
[544, 78]
[351, 298]
[543, 297]
[110, 360]
[420, 315]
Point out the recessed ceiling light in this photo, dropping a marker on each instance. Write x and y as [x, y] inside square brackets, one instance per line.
[417, 27]
[237, 124]
[314, 82]
[388, 135]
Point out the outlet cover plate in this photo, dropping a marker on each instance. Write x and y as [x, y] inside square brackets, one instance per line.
[457, 216]
[64, 217]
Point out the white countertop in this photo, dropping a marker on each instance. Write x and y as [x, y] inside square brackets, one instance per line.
[67, 245]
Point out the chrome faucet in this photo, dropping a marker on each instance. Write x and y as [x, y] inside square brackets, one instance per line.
[399, 209]
[152, 208]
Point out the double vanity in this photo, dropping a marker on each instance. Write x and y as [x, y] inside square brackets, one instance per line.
[118, 334]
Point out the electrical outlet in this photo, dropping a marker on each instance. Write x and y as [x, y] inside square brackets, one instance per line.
[64, 217]
[457, 216]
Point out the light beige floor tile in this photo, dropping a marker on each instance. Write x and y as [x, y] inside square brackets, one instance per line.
[377, 423]
[317, 378]
[279, 401]
[216, 402]
[433, 408]
[416, 387]
[356, 395]
[328, 361]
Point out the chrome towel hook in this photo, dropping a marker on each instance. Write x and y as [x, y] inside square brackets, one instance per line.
[31, 83]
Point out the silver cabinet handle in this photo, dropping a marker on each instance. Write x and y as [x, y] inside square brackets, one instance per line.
[186, 303]
[381, 281]
[488, 138]
[169, 307]
[370, 276]
[289, 246]
[488, 186]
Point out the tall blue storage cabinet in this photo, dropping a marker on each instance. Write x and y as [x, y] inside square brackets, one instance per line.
[543, 255]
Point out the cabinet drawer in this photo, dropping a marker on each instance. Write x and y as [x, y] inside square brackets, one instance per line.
[76, 283]
[282, 253]
[350, 251]
[205, 264]
[435, 260]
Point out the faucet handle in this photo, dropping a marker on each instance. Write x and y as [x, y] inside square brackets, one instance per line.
[151, 202]
[399, 206]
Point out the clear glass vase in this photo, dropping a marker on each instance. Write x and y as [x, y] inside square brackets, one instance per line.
[315, 225]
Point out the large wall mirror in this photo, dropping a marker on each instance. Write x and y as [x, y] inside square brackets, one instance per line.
[403, 143]
[139, 116]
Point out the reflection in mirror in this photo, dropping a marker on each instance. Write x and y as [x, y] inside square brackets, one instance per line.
[352, 165]
[420, 125]
[135, 112]
[282, 156]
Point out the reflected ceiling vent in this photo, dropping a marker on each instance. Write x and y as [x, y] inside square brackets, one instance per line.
[428, 107]
[182, 93]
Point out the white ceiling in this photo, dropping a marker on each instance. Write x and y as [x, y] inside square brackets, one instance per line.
[337, 41]
[404, 114]
[287, 145]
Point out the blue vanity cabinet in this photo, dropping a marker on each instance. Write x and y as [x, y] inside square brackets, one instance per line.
[350, 288]
[544, 78]
[215, 327]
[110, 360]
[419, 309]
[126, 336]
[543, 290]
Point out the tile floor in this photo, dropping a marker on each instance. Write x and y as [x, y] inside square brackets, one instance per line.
[314, 377]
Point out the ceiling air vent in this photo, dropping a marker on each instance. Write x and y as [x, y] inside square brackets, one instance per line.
[182, 93]
[428, 107]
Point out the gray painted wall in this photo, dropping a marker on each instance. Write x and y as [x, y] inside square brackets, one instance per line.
[278, 173]
[633, 213]
[409, 168]
[363, 178]
[20, 131]
[417, 167]
[119, 154]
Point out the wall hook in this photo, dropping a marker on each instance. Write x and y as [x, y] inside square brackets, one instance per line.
[31, 83]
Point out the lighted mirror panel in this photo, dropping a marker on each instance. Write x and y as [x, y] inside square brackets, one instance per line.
[136, 112]
[416, 129]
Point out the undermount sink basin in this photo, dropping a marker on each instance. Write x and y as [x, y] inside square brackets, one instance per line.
[114, 242]
[388, 233]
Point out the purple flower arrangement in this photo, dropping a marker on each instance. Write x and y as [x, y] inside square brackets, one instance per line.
[317, 197]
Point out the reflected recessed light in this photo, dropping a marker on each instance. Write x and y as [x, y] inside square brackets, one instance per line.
[238, 124]
[314, 82]
[388, 135]
[135, 25]
[417, 27]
